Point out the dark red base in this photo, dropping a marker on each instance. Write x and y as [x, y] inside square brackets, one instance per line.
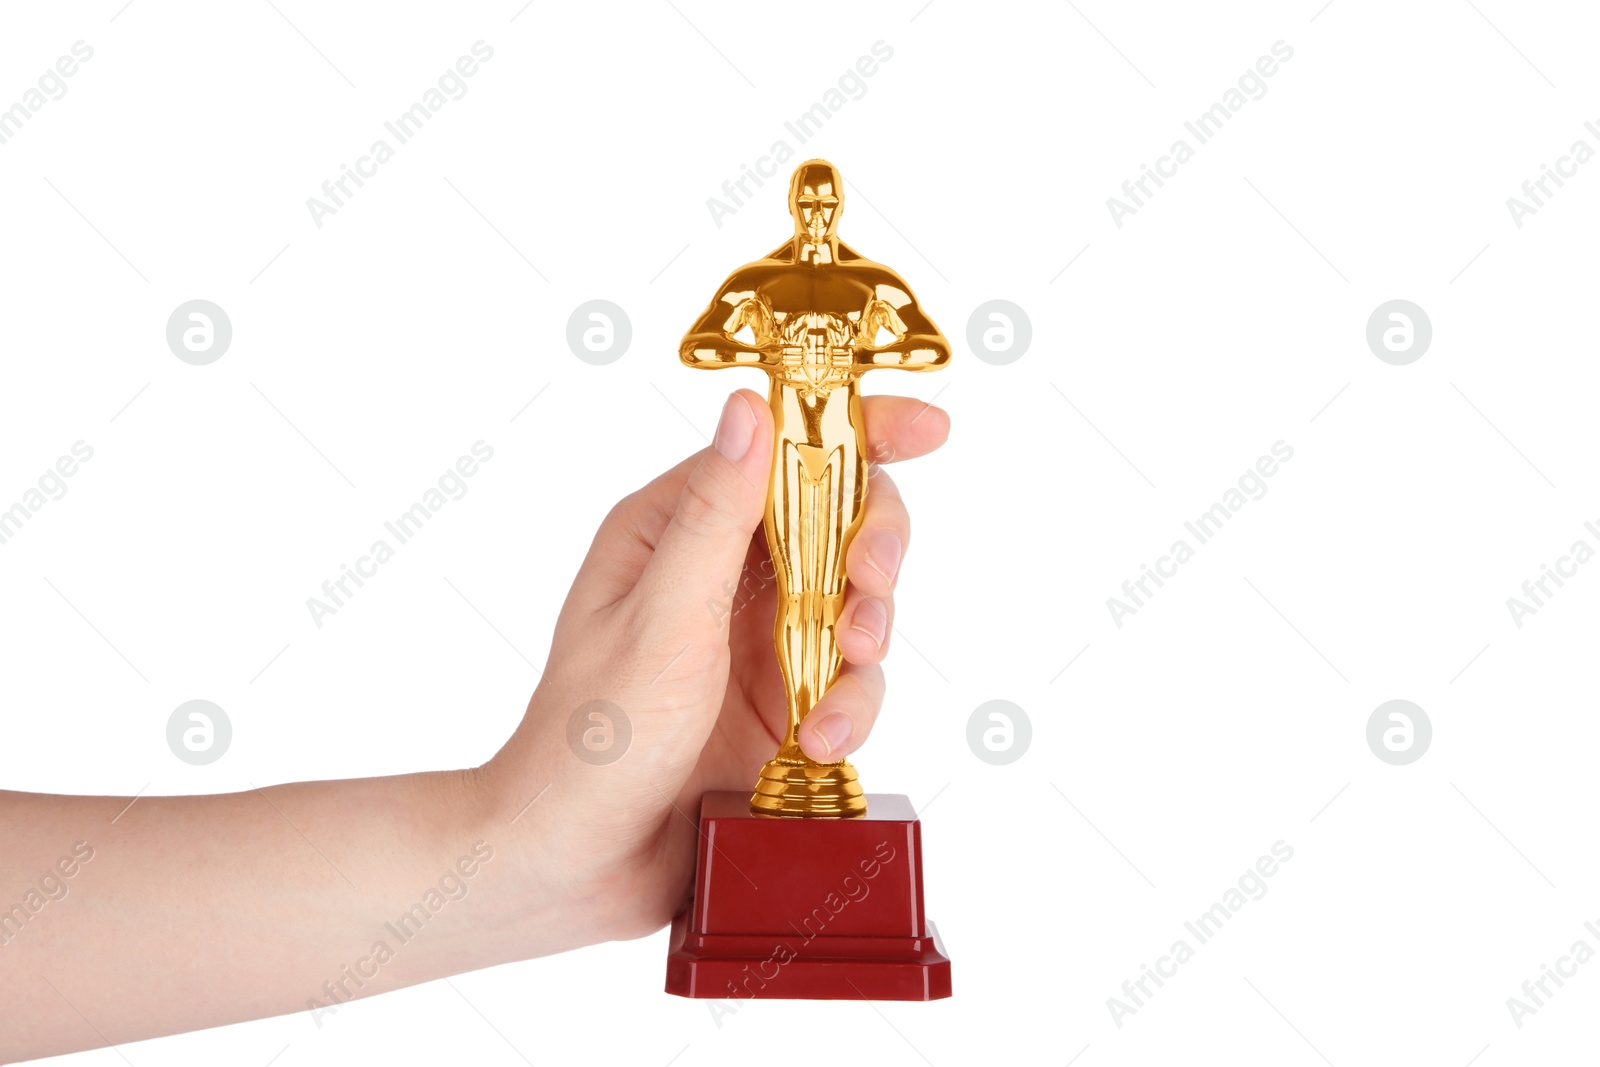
[807, 909]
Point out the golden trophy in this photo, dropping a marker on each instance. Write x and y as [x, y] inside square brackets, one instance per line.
[813, 309]
[814, 315]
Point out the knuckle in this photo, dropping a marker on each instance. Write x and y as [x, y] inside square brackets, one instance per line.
[701, 509]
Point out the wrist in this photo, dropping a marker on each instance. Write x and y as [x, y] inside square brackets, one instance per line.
[550, 895]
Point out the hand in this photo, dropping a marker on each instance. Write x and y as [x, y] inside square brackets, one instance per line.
[670, 619]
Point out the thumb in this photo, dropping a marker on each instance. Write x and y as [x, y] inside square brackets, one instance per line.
[699, 556]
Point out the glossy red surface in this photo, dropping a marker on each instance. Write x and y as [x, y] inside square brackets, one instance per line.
[813, 909]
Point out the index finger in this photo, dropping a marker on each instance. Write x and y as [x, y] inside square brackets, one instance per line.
[902, 427]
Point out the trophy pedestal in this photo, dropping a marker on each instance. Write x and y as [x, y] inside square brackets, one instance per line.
[807, 909]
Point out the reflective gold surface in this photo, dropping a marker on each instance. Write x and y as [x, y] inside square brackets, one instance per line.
[811, 314]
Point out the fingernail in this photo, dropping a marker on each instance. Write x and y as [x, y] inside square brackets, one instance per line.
[871, 619]
[736, 429]
[883, 554]
[834, 731]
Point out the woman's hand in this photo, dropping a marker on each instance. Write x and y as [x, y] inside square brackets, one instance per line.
[669, 627]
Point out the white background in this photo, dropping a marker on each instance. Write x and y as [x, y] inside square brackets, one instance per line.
[1229, 313]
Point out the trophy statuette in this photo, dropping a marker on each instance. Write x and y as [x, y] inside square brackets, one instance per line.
[809, 888]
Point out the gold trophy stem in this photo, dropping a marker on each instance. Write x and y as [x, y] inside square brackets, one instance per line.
[809, 538]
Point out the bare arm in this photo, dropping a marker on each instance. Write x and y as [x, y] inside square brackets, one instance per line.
[127, 919]
[711, 344]
[917, 346]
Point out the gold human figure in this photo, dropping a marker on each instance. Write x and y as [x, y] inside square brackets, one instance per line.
[813, 310]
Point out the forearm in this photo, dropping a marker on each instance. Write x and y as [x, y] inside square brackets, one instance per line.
[714, 350]
[190, 912]
[916, 352]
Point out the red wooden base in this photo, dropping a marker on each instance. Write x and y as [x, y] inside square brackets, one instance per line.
[807, 909]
